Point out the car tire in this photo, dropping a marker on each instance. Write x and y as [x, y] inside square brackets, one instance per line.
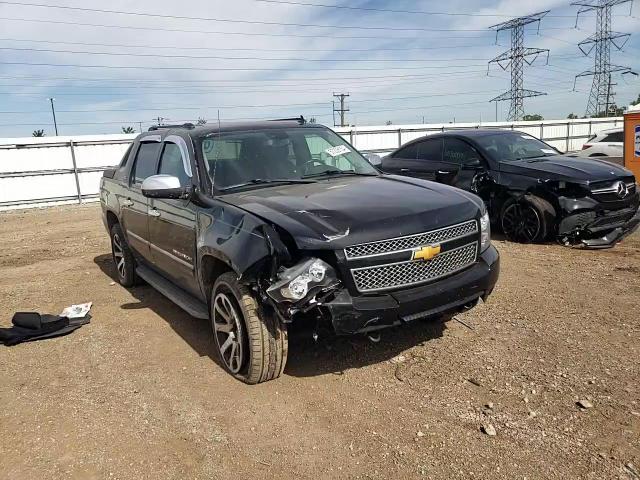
[529, 219]
[251, 344]
[123, 259]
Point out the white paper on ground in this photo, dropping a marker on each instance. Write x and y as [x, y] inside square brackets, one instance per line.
[77, 311]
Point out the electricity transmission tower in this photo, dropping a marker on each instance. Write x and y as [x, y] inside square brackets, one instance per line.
[515, 58]
[601, 99]
[342, 110]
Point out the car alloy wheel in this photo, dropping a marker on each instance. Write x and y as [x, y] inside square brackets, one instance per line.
[521, 222]
[118, 255]
[228, 331]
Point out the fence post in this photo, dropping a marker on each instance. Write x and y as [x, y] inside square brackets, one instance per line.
[75, 170]
[399, 137]
[568, 136]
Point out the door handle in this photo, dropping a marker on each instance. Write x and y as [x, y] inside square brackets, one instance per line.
[444, 172]
[404, 170]
[153, 212]
[127, 203]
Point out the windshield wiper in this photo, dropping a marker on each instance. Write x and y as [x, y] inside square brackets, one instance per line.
[266, 181]
[329, 173]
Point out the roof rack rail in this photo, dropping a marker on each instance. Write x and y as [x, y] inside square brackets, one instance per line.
[301, 120]
[153, 128]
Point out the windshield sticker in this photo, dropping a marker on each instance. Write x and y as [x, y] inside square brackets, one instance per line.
[547, 150]
[637, 143]
[335, 151]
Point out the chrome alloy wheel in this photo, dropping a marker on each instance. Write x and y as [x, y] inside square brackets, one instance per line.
[118, 255]
[227, 326]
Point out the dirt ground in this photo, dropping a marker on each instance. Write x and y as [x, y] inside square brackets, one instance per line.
[136, 394]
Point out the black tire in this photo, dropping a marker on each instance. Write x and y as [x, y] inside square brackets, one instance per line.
[529, 219]
[261, 339]
[123, 260]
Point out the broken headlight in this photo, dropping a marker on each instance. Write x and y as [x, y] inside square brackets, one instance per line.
[485, 232]
[302, 280]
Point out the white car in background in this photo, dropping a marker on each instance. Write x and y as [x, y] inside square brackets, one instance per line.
[607, 143]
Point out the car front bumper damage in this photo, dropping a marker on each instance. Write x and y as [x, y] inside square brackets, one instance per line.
[368, 313]
[588, 225]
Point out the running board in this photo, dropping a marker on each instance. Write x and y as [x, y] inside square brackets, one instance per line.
[184, 300]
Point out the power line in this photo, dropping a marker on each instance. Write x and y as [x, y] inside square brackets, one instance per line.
[235, 20]
[217, 69]
[222, 32]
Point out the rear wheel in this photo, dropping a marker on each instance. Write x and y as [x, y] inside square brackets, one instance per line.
[527, 220]
[251, 344]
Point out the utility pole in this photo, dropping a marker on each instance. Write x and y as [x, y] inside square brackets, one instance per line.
[601, 97]
[515, 58]
[53, 111]
[342, 110]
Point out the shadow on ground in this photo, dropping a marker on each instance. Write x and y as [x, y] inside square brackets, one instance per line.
[329, 354]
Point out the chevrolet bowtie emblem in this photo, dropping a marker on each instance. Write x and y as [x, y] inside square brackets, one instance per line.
[426, 253]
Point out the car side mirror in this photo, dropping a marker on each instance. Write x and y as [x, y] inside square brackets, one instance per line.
[374, 159]
[164, 186]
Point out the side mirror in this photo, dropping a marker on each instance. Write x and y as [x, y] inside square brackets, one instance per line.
[374, 159]
[164, 186]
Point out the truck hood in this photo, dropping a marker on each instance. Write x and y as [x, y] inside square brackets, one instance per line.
[342, 211]
[570, 169]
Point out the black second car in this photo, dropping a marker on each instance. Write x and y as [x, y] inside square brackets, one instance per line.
[532, 191]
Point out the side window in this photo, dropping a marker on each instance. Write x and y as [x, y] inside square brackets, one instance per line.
[410, 152]
[459, 152]
[614, 137]
[430, 150]
[145, 164]
[125, 157]
[172, 163]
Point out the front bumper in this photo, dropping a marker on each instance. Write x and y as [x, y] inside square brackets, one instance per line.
[350, 315]
[591, 226]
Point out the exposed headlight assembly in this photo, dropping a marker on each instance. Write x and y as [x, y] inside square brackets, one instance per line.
[300, 281]
[485, 232]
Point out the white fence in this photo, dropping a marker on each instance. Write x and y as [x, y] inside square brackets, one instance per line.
[45, 171]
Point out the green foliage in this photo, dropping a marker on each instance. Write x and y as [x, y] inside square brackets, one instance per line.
[38, 133]
[128, 130]
[572, 116]
[535, 116]
[201, 121]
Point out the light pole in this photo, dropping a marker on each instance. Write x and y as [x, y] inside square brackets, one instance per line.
[53, 111]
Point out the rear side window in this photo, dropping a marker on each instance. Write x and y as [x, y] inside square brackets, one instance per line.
[430, 150]
[172, 163]
[410, 152]
[125, 157]
[614, 137]
[146, 159]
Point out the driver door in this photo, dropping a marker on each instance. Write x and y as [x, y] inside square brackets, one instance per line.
[463, 166]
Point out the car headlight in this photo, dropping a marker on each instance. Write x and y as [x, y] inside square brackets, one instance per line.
[485, 232]
[302, 280]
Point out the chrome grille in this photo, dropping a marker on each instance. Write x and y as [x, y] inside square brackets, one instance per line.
[410, 242]
[412, 272]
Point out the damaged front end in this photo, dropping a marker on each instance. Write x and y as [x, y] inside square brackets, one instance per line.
[587, 222]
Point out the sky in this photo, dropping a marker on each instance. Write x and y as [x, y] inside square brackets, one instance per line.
[425, 61]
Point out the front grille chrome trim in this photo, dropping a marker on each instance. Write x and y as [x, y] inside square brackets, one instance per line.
[445, 264]
[408, 243]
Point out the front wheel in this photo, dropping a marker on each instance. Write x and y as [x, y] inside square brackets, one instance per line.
[251, 344]
[527, 220]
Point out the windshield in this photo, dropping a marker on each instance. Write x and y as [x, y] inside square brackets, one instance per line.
[251, 158]
[512, 146]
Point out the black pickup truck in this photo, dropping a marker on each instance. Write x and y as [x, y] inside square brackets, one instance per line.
[253, 226]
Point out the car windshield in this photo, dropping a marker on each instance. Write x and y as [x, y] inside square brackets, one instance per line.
[513, 146]
[248, 159]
